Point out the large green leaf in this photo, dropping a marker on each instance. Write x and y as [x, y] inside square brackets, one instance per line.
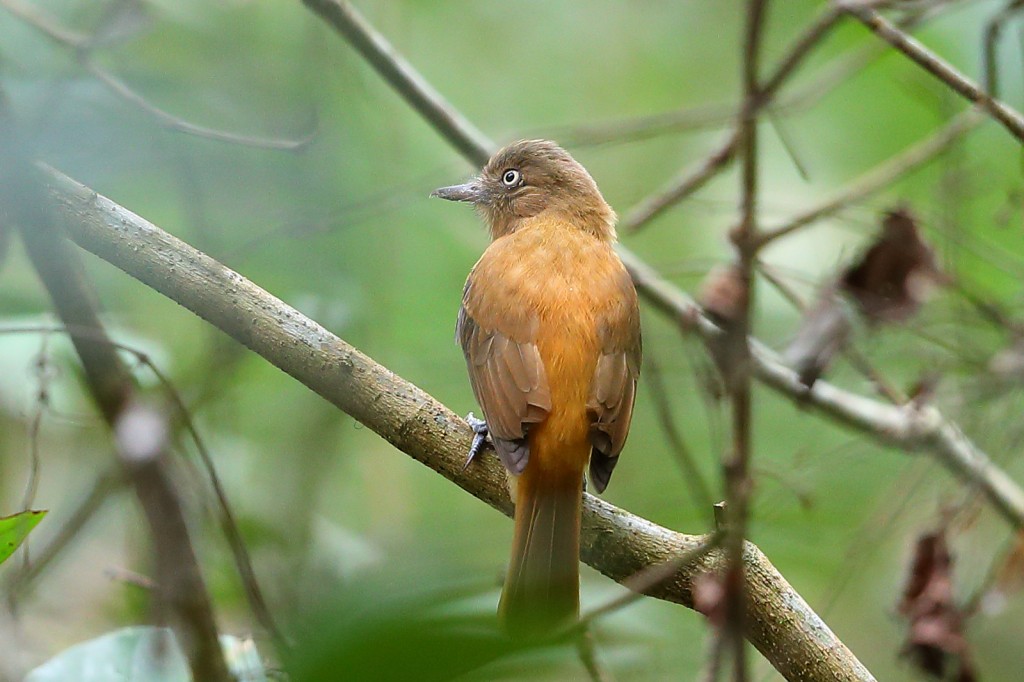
[14, 529]
[141, 654]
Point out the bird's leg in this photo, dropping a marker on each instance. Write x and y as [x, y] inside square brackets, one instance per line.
[479, 427]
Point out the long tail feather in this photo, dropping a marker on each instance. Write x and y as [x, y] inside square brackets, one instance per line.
[541, 592]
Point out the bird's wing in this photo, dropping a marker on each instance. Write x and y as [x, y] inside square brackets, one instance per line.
[614, 387]
[506, 373]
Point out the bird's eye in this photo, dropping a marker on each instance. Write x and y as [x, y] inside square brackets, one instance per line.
[511, 177]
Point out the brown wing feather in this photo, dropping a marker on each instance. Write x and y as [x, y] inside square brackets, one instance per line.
[613, 390]
[509, 383]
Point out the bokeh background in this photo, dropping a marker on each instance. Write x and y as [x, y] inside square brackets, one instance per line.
[343, 230]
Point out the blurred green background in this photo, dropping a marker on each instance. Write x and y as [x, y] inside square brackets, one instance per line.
[343, 230]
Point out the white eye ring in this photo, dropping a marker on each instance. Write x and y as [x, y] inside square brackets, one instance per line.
[511, 177]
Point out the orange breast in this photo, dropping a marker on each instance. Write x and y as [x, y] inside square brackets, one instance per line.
[566, 277]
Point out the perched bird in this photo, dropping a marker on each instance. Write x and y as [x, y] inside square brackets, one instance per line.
[550, 329]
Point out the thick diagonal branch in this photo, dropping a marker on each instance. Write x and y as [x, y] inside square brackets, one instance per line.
[617, 543]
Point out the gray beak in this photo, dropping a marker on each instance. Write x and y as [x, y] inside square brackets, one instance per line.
[469, 192]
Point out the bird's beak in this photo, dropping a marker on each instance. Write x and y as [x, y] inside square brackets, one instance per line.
[469, 192]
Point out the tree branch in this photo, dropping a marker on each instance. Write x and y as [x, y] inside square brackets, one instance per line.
[140, 432]
[927, 430]
[404, 78]
[689, 181]
[617, 543]
[881, 176]
[908, 428]
[736, 463]
[935, 65]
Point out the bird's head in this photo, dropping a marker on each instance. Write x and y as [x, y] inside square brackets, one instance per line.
[533, 177]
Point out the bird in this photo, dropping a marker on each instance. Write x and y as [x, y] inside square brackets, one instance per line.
[550, 329]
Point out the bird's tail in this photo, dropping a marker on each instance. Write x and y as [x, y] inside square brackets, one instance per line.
[542, 587]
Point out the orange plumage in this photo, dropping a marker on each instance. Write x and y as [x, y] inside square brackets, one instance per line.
[550, 328]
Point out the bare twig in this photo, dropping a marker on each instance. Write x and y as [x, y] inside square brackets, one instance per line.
[691, 473]
[140, 444]
[587, 652]
[225, 515]
[856, 358]
[49, 26]
[717, 115]
[636, 128]
[804, 45]
[992, 29]
[376, 50]
[924, 429]
[107, 483]
[176, 123]
[881, 176]
[647, 580]
[688, 182]
[141, 434]
[614, 541]
[736, 464]
[42, 368]
[935, 65]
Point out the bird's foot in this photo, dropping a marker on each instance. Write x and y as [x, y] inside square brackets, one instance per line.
[479, 427]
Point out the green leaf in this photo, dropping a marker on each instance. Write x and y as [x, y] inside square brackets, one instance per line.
[14, 529]
[380, 627]
[142, 654]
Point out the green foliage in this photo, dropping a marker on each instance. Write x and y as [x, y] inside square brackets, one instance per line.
[375, 630]
[15, 528]
[344, 231]
[142, 654]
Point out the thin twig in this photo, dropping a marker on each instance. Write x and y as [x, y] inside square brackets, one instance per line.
[736, 464]
[107, 483]
[811, 38]
[176, 123]
[141, 435]
[689, 182]
[996, 568]
[49, 26]
[992, 29]
[881, 176]
[587, 652]
[646, 581]
[935, 65]
[141, 446]
[714, 116]
[636, 128]
[857, 359]
[692, 474]
[376, 50]
[225, 514]
[677, 189]
[42, 364]
[81, 44]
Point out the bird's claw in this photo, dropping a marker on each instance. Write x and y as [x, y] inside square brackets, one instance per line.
[479, 427]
